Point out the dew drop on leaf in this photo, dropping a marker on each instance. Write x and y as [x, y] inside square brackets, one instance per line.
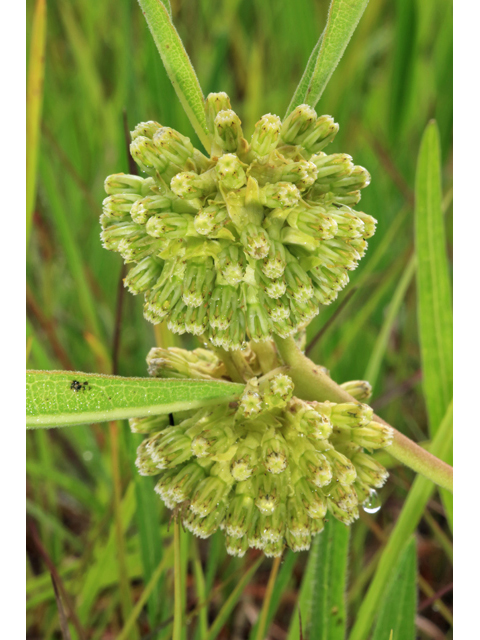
[372, 504]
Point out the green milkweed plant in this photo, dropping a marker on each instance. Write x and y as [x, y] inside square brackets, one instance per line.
[241, 244]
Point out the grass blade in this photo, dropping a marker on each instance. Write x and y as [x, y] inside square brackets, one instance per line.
[397, 614]
[342, 20]
[420, 493]
[378, 352]
[232, 600]
[435, 318]
[301, 92]
[54, 400]
[327, 616]
[178, 66]
[36, 73]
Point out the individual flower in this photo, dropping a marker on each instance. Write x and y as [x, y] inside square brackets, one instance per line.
[266, 469]
[246, 243]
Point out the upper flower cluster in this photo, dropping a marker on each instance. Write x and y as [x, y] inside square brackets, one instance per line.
[264, 469]
[246, 243]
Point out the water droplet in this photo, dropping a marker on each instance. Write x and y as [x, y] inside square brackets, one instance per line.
[372, 504]
[87, 456]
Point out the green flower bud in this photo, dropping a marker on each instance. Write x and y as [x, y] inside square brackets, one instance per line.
[121, 183]
[210, 219]
[348, 224]
[145, 129]
[114, 232]
[243, 463]
[316, 468]
[375, 436]
[274, 263]
[168, 225]
[343, 496]
[178, 363]
[280, 194]
[204, 527]
[313, 221]
[274, 549]
[259, 326]
[217, 443]
[190, 185]
[369, 471]
[255, 241]
[343, 469]
[298, 124]
[299, 285]
[299, 542]
[230, 172]
[278, 310]
[297, 517]
[144, 463]
[240, 516]
[178, 485]
[169, 448]
[313, 501]
[161, 301]
[177, 319]
[233, 337]
[143, 208]
[266, 492]
[274, 453]
[232, 264]
[209, 493]
[351, 414]
[277, 391]
[359, 389]
[143, 276]
[331, 168]
[369, 224]
[347, 516]
[146, 155]
[222, 306]
[214, 103]
[322, 133]
[272, 288]
[271, 526]
[149, 424]
[197, 283]
[139, 246]
[236, 546]
[228, 130]
[172, 146]
[265, 136]
[251, 401]
[119, 205]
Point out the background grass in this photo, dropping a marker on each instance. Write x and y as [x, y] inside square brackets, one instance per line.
[92, 520]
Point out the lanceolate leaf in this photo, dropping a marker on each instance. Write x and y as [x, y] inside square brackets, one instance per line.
[61, 398]
[343, 17]
[177, 64]
[327, 607]
[397, 613]
[433, 289]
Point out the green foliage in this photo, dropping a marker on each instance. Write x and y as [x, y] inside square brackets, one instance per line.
[60, 398]
[343, 17]
[397, 613]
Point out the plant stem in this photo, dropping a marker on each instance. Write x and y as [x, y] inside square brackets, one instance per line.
[311, 383]
[177, 610]
[267, 600]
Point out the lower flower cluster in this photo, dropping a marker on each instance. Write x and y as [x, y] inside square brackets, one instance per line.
[266, 469]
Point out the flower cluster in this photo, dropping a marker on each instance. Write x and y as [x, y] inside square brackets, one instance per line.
[265, 469]
[246, 243]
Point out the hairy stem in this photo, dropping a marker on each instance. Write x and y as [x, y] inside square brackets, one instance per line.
[311, 383]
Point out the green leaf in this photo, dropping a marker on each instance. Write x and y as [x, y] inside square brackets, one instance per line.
[397, 613]
[417, 499]
[327, 616]
[342, 20]
[36, 72]
[232, 600]
[435, 319]
[433, 284]
[54, 398]
[178, 66]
